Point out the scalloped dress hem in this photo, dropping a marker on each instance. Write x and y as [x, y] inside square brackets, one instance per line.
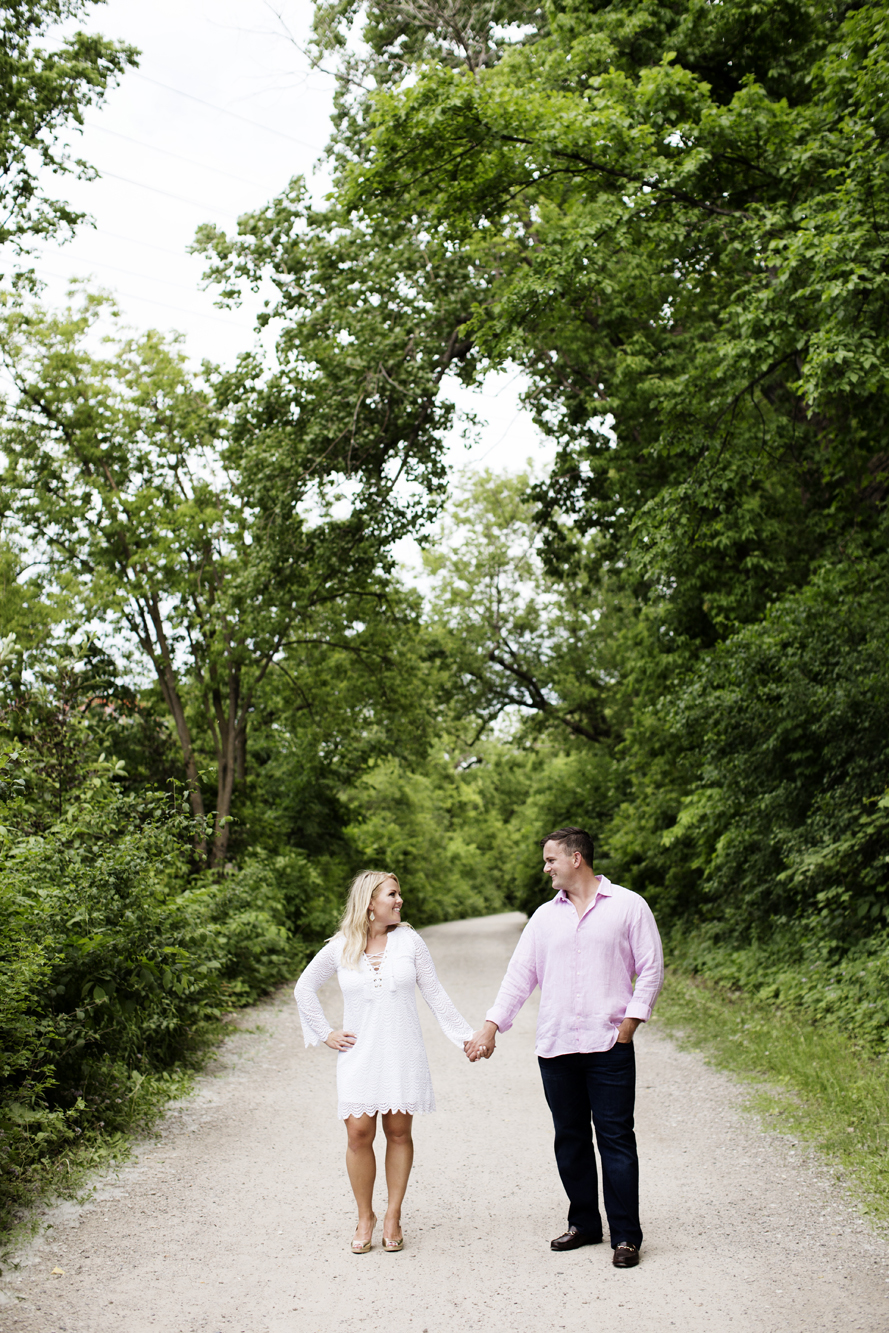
[345, 1109]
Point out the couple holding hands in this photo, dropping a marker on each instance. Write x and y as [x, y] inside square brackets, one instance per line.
[582, 948]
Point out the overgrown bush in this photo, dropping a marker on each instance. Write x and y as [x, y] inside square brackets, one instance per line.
[759, 826]
[789, 813]
[800, 969]
[115, 963]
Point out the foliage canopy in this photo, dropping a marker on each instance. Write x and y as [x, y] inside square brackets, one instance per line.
[43, 94]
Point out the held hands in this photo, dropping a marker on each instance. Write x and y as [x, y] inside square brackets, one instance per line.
[340, 1041]
[481, 1044]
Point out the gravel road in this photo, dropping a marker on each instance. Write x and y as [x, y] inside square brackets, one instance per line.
[237, 1219]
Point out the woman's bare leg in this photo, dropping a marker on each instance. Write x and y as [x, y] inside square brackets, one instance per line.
[399, 1160]
[361, 1163]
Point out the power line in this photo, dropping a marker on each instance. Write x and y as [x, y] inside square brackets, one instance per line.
[189, 161]
[134, 240]
[133, 296]
[131, 273]
[223, 110]
[180, 198]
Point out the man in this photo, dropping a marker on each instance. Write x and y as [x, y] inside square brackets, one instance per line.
[583, 949]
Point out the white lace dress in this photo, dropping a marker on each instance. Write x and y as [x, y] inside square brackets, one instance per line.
[386, 1069]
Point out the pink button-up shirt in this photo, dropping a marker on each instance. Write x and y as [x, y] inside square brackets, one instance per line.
[584, 967]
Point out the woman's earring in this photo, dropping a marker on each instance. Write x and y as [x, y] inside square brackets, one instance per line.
[372, 917]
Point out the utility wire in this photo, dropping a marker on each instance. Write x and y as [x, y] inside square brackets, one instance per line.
[189, 161]
[132, 296]
[180, 198]
[131, 273]
[135, 73]
[134, 240]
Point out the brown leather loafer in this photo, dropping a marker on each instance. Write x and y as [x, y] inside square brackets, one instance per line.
[625, 1255]
[573, 1239]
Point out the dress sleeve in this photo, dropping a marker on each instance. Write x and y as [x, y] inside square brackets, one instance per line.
[314, 1023]
[451, 1022]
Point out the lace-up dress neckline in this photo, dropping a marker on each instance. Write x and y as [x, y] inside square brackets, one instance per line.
[375, 963]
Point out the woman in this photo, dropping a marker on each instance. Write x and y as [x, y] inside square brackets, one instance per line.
[381, 1066]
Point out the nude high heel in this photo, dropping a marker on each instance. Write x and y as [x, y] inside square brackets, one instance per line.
[364, 1249]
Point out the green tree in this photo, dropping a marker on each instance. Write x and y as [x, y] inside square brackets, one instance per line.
[157, 494]
[676, 221]
[336, 704]
[516, 639]
[789, 816]
[30, 607]
[368, 326]
[43, 94]
[444, 824]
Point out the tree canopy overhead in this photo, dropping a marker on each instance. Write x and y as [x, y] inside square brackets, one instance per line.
[671, 218]
[185, 510]
[43, 95]
[675, 220]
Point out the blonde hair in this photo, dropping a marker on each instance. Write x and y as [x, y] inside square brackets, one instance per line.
[354, 923]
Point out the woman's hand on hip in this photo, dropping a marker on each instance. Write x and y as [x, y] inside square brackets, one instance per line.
[340, 1041]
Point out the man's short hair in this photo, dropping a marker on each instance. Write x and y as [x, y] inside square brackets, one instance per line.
[574, 840]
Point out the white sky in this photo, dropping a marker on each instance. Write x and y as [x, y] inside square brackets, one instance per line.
[174, 149]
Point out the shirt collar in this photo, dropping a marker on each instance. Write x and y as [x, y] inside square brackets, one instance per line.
[605, 890]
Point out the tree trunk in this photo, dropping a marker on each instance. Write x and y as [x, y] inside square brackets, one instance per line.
[195, 796]
[241, 753]
[232, 742]
[163, 666]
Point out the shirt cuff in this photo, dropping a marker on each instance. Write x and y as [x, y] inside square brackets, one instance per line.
[498, 1017]
[638, 1009]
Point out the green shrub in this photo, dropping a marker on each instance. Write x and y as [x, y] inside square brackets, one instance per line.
[789, 724]
[803, 970]
[115, 965]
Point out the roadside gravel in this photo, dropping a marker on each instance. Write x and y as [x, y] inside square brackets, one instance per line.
[237, 1218]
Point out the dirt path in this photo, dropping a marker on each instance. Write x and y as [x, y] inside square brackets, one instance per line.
[238, 1219]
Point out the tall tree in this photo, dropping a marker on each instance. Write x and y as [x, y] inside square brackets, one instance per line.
[207, 529]
[674, 219]
[677, 218]
[43, 96]
[516, 639]
[368, 322]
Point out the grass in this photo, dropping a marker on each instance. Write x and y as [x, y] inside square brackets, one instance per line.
[823, 1086]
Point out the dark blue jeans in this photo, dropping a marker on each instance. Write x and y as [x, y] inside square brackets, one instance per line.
[598, 1086]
